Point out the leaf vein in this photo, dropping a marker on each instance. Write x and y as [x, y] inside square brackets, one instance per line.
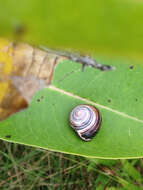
[95, 104]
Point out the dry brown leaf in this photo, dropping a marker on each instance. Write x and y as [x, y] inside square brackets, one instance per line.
[23, 71]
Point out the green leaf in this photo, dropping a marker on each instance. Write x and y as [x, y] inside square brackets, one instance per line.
[110, 28]
[118, 94]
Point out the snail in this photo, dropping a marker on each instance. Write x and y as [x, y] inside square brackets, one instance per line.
[85, 120]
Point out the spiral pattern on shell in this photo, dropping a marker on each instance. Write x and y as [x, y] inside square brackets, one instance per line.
[85, 120]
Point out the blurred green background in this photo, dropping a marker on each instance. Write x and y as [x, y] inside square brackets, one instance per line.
[26, 168]
[92, 26]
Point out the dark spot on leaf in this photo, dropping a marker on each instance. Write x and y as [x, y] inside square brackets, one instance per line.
[131, 66]
[8, 136]
[42, 97]
[136, 99]
[38, 100]
[109, 100]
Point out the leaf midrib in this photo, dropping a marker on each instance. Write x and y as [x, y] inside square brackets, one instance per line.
[52, 87]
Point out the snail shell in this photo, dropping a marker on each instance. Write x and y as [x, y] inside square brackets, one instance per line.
[85, 120]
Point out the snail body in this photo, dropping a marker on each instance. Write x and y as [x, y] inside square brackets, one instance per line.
[85, 120]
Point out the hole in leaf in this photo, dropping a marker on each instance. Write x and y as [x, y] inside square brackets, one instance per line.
[109, 100]
[131, 66]
[8, 136]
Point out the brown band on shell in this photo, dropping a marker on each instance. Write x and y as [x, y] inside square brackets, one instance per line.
[88, 129]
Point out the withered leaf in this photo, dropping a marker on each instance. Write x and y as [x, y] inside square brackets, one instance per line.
[23, 71]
